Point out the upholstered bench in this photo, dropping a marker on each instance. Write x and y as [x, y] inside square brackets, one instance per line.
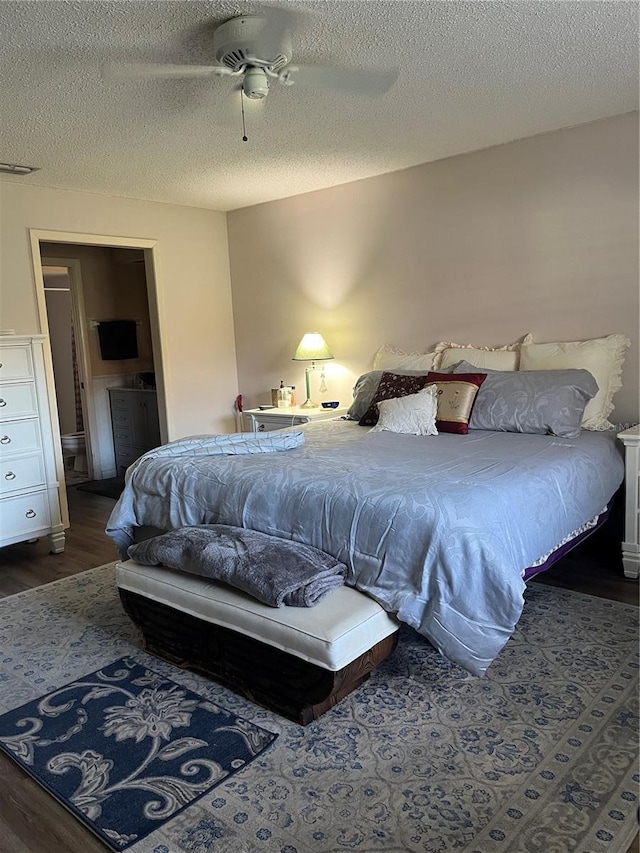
[297, 661]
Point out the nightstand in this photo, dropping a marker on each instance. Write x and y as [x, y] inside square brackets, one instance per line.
[263, 420]
[631, 545]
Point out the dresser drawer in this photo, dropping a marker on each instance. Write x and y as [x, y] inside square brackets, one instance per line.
[17, 401]
[126, 456]
[15, 363]
[23, 514]
[24, 472]
[119, 399]
[19, 437]
[122, 435]
[121, 418]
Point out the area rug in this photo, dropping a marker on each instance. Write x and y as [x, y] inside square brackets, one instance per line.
[126, 749]
[540, 756]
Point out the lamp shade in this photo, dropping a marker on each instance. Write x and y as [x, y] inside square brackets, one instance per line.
[312, 347]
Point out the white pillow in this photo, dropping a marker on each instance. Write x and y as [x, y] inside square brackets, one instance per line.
[493, 358]
[602, 357]
[389, 357]
[414, 414]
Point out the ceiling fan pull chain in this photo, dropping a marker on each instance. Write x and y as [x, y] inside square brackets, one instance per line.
[244, 130]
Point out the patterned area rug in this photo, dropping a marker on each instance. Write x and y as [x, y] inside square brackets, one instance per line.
[538, 757]
[126, 749]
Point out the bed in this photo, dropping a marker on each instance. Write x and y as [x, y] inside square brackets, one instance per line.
[441, 531]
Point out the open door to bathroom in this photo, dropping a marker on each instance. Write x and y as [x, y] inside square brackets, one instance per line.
[82, 284]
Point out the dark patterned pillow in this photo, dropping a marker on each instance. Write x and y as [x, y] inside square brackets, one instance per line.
[392, 385]
[456, 396]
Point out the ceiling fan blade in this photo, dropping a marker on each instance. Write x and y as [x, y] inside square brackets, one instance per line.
[125, 70]
[357, 81]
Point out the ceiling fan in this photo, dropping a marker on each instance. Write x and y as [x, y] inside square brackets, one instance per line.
[257, 51]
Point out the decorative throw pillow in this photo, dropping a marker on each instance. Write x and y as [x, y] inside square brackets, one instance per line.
[389, 357]
[366, 386]
[456, 396]
[414, 414]
[494, 358]
[602, 357]
[541, 402]
[392, 385]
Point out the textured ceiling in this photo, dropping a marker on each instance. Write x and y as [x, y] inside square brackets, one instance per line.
[471, 74]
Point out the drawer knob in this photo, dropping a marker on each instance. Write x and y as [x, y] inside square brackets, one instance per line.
[9, 475]
[30, 513]
[6, 439]
[3, 402]
[261, 428]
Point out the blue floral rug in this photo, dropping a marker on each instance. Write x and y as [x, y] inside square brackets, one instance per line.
[540, 756]
[126, 749]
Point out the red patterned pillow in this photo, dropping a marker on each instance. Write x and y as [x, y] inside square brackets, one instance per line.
[391, 385]
[456, 396]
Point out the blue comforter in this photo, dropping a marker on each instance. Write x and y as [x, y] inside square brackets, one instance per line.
[437, 529]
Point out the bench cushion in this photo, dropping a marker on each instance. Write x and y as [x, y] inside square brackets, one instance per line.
[335, 632]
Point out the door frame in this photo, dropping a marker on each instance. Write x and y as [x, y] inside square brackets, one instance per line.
[74, 267]
[149, 248]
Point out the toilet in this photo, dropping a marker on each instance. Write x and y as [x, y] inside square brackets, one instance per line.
[74, 447]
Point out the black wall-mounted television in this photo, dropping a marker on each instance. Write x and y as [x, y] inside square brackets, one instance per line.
[118, 339]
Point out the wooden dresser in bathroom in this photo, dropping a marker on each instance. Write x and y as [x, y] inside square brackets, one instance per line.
[30, 496]
[134, 420]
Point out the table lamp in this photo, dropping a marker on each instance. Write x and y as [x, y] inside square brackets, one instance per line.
[312, 347]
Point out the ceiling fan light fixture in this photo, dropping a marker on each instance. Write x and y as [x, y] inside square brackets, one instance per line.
[255, 84]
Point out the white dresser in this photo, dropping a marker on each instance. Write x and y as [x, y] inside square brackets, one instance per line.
[30, 503]
[631, 545]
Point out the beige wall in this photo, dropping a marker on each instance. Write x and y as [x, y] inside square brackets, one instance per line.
[537, 235]
[194, 297]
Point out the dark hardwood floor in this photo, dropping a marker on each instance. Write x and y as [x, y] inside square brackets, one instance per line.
[25, 565]
[31, 821]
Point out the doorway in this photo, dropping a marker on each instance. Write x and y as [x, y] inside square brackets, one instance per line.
[84, 282]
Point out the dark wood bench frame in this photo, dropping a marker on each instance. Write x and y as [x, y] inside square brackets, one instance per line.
[281, 682]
